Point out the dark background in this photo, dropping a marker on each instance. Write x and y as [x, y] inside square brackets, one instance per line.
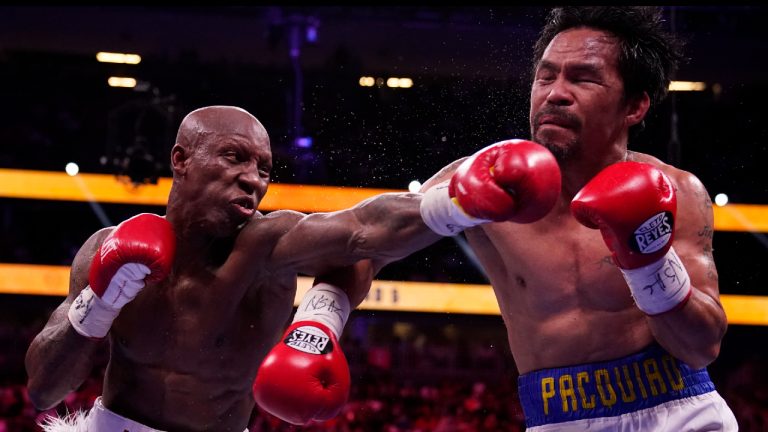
[470, 67]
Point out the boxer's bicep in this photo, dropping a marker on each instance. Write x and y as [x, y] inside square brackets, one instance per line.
[384, 228]
[694, 233]
[58, 359]
[316, 243]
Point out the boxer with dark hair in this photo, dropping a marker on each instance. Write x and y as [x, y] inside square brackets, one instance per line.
[611, 300]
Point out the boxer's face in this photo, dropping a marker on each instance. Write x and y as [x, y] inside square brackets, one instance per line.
[577, 95]
[227, 176]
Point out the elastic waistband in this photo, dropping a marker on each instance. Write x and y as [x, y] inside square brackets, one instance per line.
[606, 389]
[102, 419]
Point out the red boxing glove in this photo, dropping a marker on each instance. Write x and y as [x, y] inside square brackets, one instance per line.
[633, 205]
[513, 180]
[139, 249]
[146, 239]
[305, 377]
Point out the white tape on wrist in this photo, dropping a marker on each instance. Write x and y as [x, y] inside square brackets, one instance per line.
[90, 316]
[326, 304]
[442, 215]
[660, 286]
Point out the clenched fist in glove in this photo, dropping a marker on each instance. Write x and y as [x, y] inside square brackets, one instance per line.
[634, 205]
[513, 180]
[139, 250]
[305, 377]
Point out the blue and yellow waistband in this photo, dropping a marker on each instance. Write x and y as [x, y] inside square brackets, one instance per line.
[643, 380]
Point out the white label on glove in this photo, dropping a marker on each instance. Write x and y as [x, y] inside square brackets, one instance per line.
[310, 340]
[326, 304]
[442, 215]
[659, 286]
[654, 233]
[90, 316]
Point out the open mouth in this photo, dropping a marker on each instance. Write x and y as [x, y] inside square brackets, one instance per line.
[245, 205]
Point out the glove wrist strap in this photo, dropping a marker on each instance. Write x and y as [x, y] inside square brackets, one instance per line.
[660, 286]
[442, 214]
[91, 316]
[326, 304]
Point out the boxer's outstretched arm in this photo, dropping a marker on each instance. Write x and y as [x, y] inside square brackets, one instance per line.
[694, 332]
[383, 228]
[59, 359]
[512, 180]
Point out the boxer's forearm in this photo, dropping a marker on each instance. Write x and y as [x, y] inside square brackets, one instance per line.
[392, 227]
[383, 228]
[692, 333]
[58, 361]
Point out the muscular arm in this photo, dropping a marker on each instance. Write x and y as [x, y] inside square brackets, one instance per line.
[694, 332]
[59, 359]
[383, 228]
[378, 231]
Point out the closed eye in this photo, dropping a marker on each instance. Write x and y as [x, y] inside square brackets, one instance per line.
[587, 78]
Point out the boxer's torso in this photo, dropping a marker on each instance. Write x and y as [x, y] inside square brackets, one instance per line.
[563, 300]
[184, 353]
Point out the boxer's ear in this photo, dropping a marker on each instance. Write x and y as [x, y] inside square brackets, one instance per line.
[179, 159]
[637, 107]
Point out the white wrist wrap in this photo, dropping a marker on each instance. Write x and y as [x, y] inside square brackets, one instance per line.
[90, 316]
[659, 286]
[326, 304]
[442, 215]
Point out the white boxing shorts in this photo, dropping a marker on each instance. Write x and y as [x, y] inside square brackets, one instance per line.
[645, 392]
[98, 419]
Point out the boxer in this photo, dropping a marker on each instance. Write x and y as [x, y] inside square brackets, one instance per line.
[611, 300]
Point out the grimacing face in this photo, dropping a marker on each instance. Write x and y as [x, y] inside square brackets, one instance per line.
[577, 95]
[227, 176]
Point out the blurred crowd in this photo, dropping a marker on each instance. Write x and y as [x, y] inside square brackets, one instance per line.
[418, 383]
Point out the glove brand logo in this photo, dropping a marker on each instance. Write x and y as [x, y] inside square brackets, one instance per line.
[107, 247]
[653, 234]
[310, 340]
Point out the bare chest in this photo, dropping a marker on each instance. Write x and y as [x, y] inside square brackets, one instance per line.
[548, 268]
[203, 321]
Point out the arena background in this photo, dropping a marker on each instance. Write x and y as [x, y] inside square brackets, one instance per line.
[424, 356]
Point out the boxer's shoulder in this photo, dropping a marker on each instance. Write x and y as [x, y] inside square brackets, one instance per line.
[260, 235]
[272, 225]
[81, 263]
[684, 181]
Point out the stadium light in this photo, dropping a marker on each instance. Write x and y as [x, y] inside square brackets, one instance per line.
[122, 82]
[72, 169]
[721, 199]
[367, 81]
[399, 82]
[687, 86]
[110, 57]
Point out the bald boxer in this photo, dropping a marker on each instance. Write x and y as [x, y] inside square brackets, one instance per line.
[190, 303]
[611, 300]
